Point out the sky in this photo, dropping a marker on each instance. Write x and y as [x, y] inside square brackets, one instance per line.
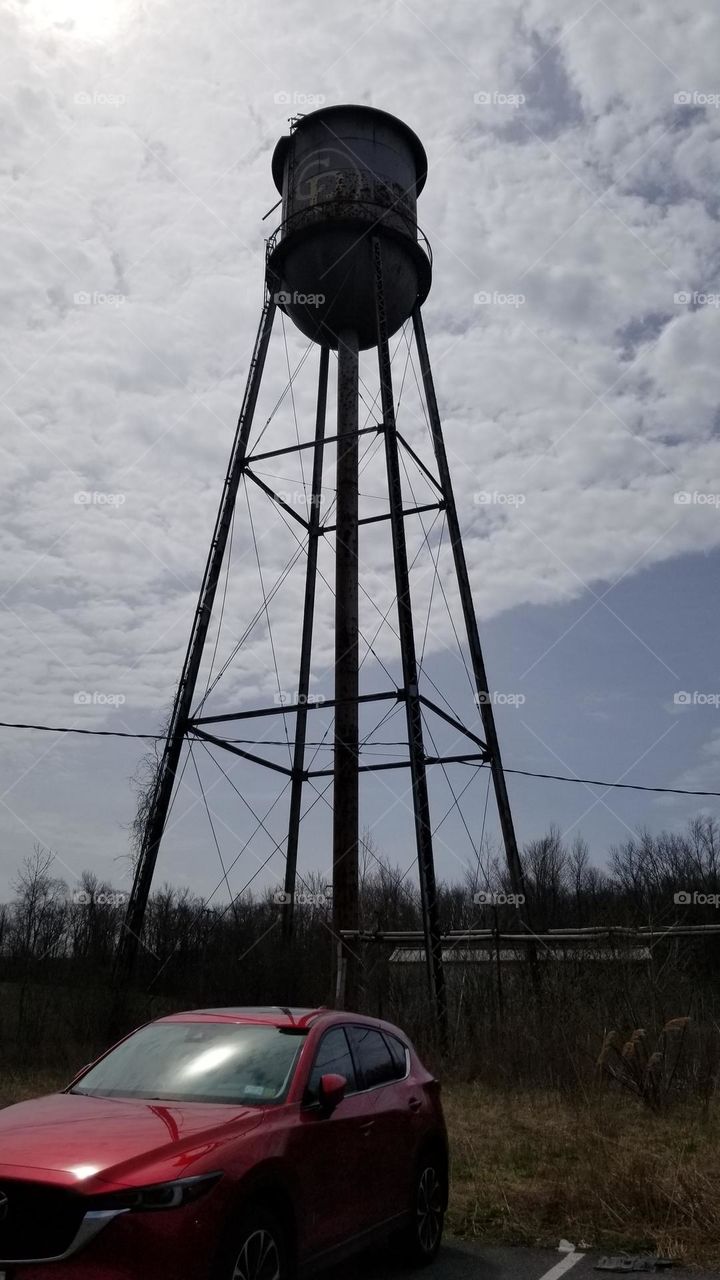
[573, 325]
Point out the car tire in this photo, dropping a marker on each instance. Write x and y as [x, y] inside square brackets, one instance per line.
[257, 1248]
[422, 1237]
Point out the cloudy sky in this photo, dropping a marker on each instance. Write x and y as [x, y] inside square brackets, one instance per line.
[573, 322]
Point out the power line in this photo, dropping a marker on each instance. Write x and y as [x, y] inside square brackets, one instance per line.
[524, 773]
[621, 786]
[92, 733]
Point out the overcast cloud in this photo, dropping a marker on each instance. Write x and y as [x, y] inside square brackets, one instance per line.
[574, 322]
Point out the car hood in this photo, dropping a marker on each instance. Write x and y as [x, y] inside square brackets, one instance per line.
[84, 1142]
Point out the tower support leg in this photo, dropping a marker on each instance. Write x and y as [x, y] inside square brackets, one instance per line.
[476, 657]
[345, 786]
[296, 787]
[421, 803]
[165, 779]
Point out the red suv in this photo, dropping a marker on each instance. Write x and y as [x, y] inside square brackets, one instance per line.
[226, 1144]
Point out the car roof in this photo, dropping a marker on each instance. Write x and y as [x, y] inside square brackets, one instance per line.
[277, 1016]
[273, 1015]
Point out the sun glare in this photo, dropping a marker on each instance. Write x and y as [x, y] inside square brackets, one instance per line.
[210, 1059]
[87, 19]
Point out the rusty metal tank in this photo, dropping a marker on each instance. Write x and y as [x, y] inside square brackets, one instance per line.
[346, 175]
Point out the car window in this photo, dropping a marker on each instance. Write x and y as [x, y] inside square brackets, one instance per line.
[333, 1056]
[398, 1054]
[375, 1062]
[197, 1062]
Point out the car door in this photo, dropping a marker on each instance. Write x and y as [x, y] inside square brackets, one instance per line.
[389, 1154]
[334, 1197]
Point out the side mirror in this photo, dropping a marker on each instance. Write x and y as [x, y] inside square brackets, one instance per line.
[332, 1091]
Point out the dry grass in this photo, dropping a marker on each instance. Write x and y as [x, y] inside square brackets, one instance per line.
[531, 1168]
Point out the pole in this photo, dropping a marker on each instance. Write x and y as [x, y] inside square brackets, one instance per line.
[301, 715]
[413, 710]
[165, 779]
[481, 684]
[345, 770]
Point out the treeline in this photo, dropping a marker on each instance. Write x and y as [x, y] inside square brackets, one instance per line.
[509, 1019]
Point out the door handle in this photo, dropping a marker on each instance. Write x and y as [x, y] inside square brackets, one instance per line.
[366, 1128]
[414, 1104]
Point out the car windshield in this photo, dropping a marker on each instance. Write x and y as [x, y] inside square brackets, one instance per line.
[198, 1062]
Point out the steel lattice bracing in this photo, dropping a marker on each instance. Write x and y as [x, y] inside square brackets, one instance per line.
[211, 728]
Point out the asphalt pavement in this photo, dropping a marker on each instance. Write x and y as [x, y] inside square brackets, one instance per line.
[460, 1260]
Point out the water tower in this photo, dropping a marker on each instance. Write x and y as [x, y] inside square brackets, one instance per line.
[349, 267]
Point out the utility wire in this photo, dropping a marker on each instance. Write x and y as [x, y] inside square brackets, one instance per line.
[620, 786]
[524, 773]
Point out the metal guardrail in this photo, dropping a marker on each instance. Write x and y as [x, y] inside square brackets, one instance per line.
[608, 933]
[489, 953]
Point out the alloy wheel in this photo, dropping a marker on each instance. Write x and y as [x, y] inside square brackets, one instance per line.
[259, 1258]
[429, 1210]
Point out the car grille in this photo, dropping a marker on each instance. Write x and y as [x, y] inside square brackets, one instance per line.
[37, 1221]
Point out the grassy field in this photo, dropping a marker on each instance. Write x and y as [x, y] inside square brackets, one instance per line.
[602, 1172]
[531, 1168]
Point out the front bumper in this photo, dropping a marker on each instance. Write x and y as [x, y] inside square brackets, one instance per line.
[169, 1244]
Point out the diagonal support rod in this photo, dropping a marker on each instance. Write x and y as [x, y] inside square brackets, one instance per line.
[275, 497]
[456, 724]
[235, 750]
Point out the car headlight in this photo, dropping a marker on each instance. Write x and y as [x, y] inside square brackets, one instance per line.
[163, 1195]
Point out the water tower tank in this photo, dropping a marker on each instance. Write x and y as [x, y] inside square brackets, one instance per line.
[347, 174]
